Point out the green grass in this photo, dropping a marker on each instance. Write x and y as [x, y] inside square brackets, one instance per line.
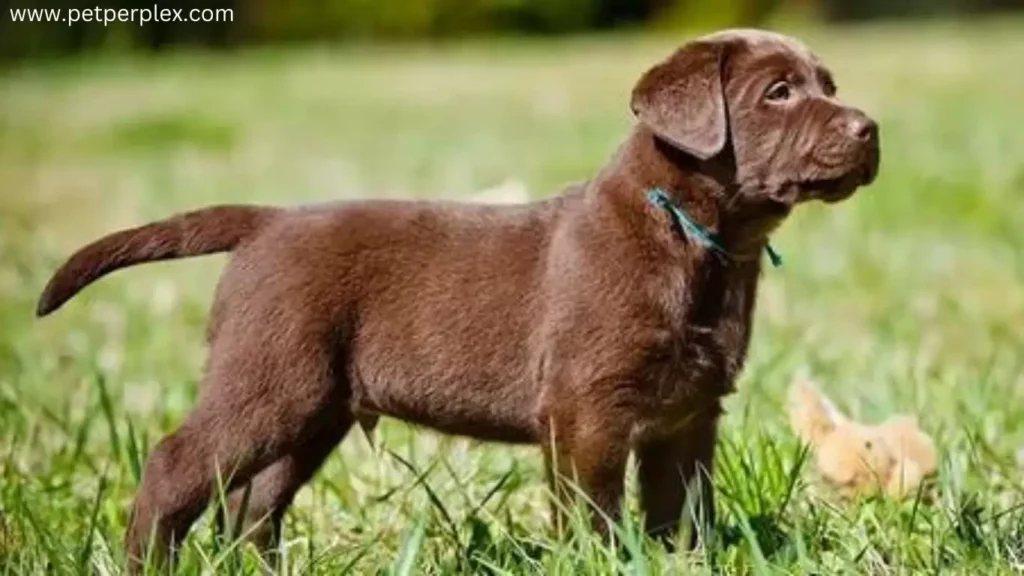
[909, 297]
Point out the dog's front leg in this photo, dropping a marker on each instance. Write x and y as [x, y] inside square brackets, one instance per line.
[675, 480]
[586, 455]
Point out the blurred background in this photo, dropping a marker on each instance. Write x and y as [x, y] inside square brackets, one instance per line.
[268, 21]
[909, 297]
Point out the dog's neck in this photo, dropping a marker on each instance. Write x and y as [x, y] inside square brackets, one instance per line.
[705, 189]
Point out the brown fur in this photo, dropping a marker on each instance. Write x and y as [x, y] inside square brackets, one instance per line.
[585, 323]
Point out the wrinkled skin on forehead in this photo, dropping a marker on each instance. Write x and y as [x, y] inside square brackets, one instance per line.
[769, 106]
[823, 160]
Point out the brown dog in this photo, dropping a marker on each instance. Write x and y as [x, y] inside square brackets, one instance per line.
[592, 323]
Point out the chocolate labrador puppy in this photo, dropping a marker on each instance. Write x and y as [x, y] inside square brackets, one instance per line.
[612, 317]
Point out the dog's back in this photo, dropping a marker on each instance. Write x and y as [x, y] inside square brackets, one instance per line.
[435, 304]
[430, 306]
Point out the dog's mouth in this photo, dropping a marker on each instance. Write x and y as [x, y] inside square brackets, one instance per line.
[841, 187]
[830, 189]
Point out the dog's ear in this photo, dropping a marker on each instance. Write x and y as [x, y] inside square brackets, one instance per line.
[682, 101]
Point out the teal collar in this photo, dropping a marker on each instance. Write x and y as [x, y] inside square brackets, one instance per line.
[693, 230]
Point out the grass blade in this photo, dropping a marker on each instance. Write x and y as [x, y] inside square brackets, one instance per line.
[85, 553]
[411, 548]
[434, 500]
[108, 412]
[135, 456]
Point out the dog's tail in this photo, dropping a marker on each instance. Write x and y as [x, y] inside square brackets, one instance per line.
[207, 231]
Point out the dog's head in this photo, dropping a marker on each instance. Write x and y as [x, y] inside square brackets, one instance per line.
[763, 102]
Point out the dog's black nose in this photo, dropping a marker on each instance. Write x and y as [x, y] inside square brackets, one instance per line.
[861, 128]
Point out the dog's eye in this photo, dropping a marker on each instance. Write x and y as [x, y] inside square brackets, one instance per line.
[779, 92]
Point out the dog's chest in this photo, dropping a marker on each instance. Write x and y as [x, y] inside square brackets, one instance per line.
[704, 349]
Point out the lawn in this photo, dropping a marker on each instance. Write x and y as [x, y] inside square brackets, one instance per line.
[907, 298]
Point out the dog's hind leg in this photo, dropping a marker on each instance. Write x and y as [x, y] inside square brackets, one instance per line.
[265, 395]
[257, 510]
